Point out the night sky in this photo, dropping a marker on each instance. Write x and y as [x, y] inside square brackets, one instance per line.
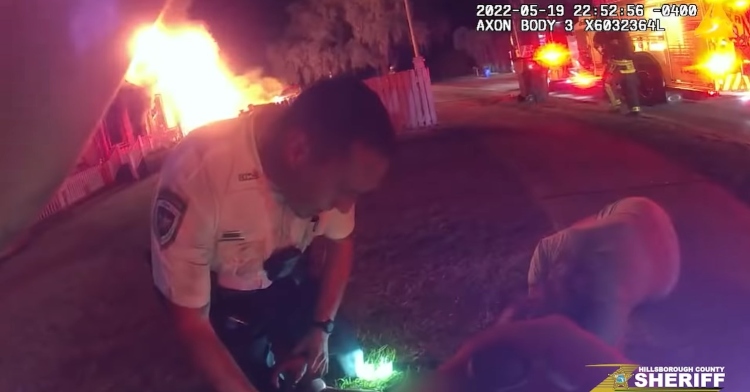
[243, 28]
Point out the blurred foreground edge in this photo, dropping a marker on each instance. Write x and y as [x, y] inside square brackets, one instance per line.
[64, 63]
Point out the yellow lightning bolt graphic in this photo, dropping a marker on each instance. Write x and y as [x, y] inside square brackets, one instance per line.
[609, 384]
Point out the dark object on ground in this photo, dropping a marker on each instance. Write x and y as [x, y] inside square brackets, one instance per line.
[533, 80]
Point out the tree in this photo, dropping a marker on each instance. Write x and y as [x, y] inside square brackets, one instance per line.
[328, 37]
[486, 49]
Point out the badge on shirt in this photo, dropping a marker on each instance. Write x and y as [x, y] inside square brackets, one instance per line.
[168, 212]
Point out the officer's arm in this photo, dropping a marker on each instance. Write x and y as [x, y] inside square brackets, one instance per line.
[599, 41]
[184, 221]
[62, 62]
[338, 263]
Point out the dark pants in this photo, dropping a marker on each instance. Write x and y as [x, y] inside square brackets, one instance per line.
[261, 326]
[624, 73]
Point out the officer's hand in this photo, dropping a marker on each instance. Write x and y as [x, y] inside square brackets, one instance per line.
[314, 347]
[292, 369]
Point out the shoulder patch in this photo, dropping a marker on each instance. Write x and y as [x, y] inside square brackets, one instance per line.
[169, 210]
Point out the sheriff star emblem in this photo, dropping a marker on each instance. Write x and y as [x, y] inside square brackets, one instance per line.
[620, 379]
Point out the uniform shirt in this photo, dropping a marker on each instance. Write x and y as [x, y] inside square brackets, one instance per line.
[635, 241]
[216, 211]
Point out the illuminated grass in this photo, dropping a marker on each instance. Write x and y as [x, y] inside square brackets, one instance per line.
[370, 380]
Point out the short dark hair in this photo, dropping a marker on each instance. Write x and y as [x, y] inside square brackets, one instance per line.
[338, 112]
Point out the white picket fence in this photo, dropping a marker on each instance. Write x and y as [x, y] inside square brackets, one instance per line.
[82, 184]
[408, 97]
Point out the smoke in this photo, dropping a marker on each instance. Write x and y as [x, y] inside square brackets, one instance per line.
[177, 12]
[258, 88]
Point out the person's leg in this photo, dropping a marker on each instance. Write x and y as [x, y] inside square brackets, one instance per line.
[237, 319]
[608, 80]
[294, 307]
[295, 318]
[631, 91]
[629, 83]
[240, 320]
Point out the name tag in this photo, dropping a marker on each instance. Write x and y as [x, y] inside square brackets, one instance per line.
[249, 176]
[234, 235]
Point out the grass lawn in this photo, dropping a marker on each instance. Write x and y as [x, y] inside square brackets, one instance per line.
[439, 259]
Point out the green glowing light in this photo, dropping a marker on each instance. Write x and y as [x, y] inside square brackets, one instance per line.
[375, 371]
[381, 368]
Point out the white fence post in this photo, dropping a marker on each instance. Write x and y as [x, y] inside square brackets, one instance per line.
[407, 95]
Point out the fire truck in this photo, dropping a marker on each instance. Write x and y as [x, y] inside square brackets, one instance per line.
[540, 53]
[703, 47]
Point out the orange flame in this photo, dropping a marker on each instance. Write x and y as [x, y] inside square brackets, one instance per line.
[184, 65]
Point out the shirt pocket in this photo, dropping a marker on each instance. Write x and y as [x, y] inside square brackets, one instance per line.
[242, 257]
[242, 245]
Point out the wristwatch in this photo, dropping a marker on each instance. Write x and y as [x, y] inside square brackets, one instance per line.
[326, 326]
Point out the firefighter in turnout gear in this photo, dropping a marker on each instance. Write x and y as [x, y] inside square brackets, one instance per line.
[617, 51]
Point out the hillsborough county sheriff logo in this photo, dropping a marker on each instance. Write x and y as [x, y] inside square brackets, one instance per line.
[661, 378]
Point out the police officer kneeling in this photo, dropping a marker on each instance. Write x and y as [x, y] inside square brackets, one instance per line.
[239, 203]
[617, 51]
